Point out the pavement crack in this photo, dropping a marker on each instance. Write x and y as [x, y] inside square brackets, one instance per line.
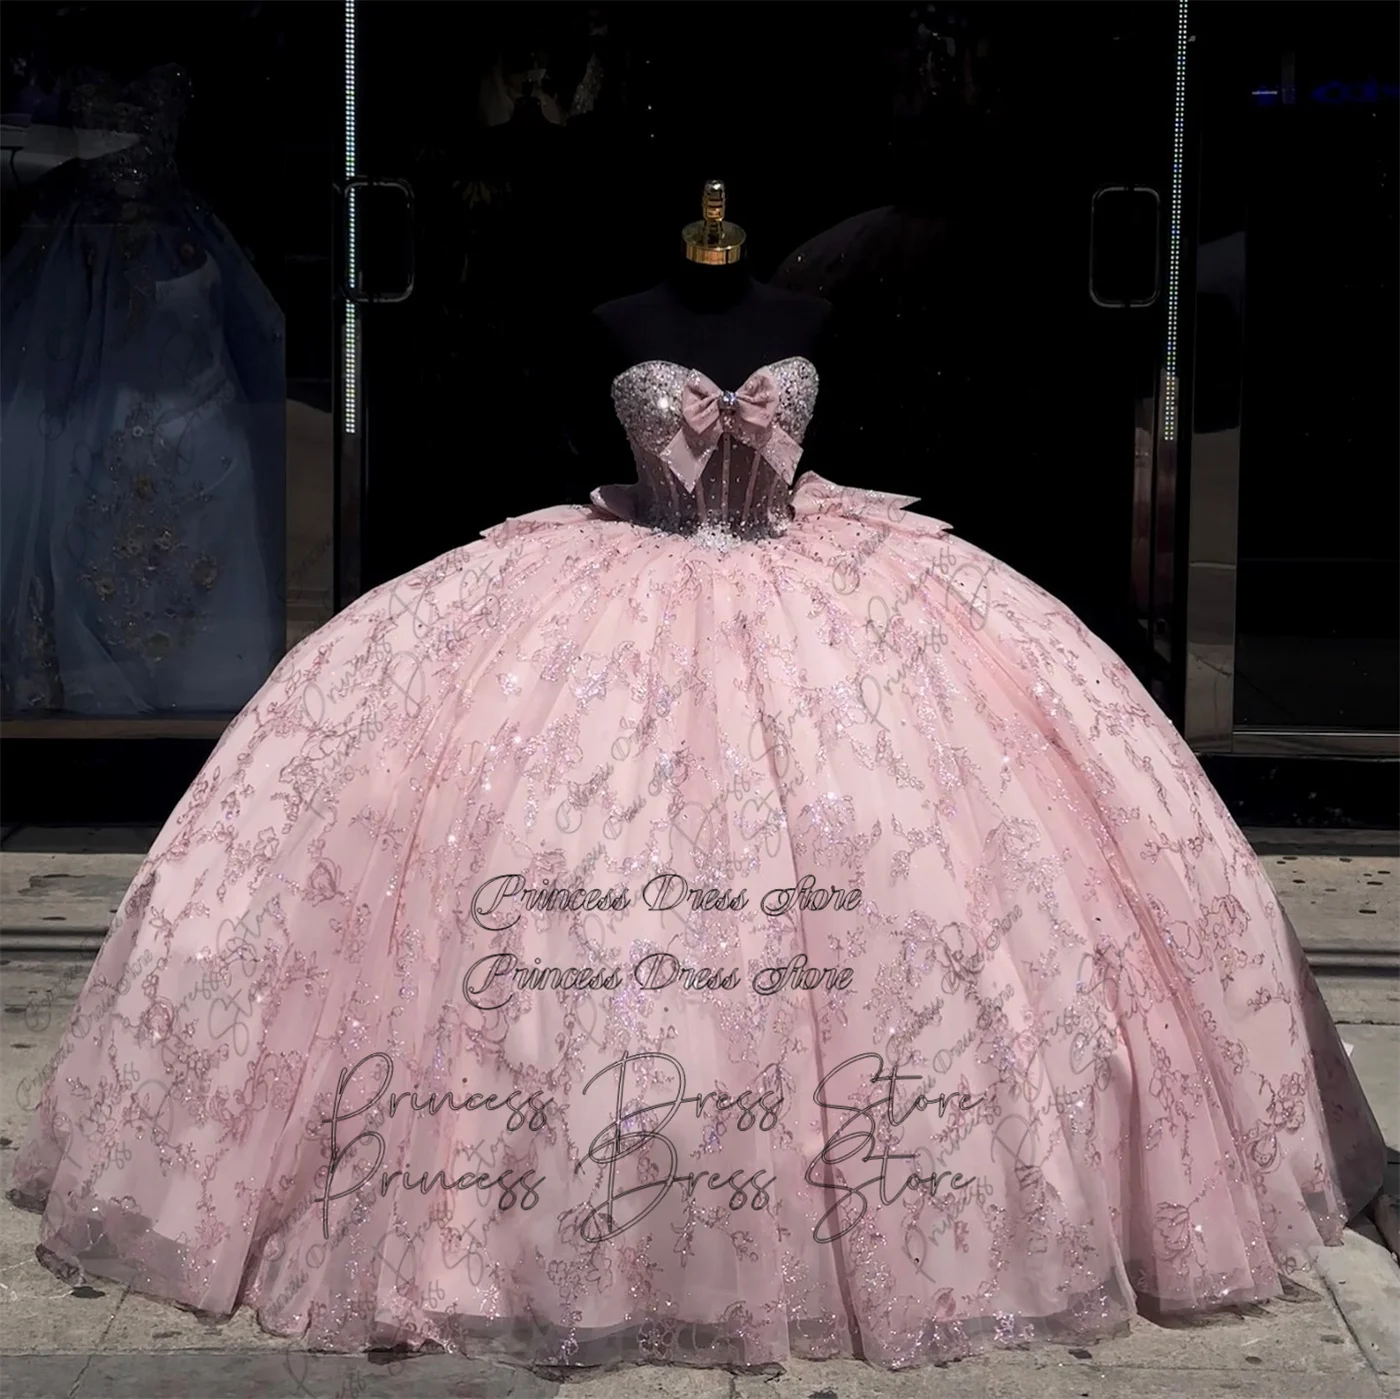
[82, 1374]
[101, 1347]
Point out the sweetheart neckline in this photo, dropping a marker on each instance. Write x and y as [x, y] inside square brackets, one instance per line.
[690, 369]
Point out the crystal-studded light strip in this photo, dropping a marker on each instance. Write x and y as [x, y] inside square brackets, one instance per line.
[1169, 394]
[352, 328]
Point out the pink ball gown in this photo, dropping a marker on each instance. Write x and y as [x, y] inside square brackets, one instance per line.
[724, 922]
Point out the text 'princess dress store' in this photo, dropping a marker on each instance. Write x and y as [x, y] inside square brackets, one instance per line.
[297, 298]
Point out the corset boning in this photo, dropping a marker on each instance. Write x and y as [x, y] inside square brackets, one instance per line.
[709, 460]
[738, 493]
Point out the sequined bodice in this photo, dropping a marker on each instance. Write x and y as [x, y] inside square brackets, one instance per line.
[710, 457]
[149, 109]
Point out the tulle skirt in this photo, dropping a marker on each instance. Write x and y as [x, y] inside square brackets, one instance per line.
[605, 943]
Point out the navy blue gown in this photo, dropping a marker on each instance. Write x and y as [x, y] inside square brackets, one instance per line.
[142, 437]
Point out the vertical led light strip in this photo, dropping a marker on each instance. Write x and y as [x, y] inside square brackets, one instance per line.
[352, 327]
[1169, 390]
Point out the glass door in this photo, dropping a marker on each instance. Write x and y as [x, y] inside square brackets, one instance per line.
[989, 197]
[1294, 579]
[167, 463]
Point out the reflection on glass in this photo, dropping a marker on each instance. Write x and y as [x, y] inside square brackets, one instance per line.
[310, 584]
[142, 407]
[1319, 577]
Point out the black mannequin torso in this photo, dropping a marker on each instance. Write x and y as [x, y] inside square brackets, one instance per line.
[714, 319]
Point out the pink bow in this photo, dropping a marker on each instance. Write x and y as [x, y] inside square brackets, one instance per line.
[708, 414]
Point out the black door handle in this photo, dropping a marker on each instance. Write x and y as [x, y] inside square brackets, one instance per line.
[366, 223]
[1125, 247]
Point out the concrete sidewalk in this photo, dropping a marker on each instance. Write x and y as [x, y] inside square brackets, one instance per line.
[1339, 1336]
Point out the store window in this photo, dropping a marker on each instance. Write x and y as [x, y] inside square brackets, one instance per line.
[165, 394]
